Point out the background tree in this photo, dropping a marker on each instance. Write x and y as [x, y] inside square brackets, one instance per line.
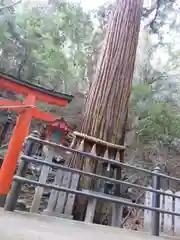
[49, 45]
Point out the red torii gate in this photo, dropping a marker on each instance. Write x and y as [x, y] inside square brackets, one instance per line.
[27, 110]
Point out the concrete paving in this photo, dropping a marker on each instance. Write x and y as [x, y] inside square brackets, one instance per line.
[26, 226]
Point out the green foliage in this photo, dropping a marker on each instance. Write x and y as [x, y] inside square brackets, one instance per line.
[140, 94]
[49, 45]
[159, 122]
[156, 118]
[155, 95]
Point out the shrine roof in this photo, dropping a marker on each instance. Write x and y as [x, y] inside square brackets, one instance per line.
[27, 86]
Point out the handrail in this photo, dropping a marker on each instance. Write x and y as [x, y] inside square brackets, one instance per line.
[107, 160]
[92, 195]
[113, 180]
[156, 175]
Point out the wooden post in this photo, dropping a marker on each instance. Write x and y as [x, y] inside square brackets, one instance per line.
[54, 194]
[62, 198]
[156, 184]
[71, 197]
[42, 179]
[117, 212]
[15, 145]
[90, 211]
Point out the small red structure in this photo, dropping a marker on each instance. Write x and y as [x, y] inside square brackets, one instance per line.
[26, 108]
[57, 130]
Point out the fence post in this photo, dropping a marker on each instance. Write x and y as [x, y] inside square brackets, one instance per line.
[14, 192]
[155, 203]
[42, 179]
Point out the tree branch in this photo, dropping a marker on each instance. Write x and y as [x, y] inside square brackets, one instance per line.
[10, 5]
[151, 24]
[22, 42]
[148, 12]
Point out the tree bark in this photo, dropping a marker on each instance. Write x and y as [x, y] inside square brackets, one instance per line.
[106, 107]
[107, 103]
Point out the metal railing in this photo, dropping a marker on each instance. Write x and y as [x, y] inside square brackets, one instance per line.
[20, 178]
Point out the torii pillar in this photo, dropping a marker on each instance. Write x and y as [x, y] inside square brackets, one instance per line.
[15, 145]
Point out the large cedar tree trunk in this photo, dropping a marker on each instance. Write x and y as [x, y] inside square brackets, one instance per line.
[106, 107]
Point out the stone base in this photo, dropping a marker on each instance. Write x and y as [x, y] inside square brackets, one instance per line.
[54, 214]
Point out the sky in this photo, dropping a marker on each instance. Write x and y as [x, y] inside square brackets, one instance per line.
[92, 4]
[89, 4]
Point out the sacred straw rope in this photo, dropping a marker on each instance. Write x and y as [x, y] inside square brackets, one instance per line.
[98, 141]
